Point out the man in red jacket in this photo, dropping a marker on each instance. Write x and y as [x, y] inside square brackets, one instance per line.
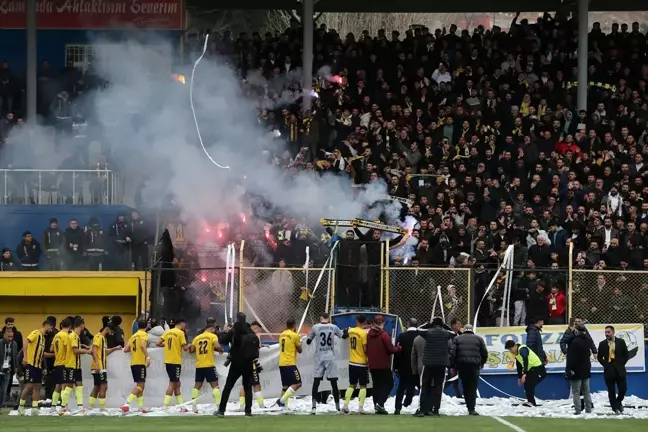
[557, 306]
[379, 351]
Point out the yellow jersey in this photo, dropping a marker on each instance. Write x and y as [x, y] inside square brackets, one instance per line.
[135, 343]
[289, 341]
[357, 346]
[205, 344]
[99, 341]
[35, 348]
[60, 344]
[174, 340]
[72, 360]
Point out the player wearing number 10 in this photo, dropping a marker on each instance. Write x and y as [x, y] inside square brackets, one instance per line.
[289, 346]
[205, 345]
[174, 342]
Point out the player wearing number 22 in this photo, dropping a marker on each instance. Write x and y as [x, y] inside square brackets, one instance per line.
[289, 346]
[324, 334]
[174, 342]
[205, 346]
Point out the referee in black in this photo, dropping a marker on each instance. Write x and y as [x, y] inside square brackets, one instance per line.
[244, 350]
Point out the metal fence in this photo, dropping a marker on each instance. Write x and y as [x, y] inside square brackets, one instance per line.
[194, 294]
[272, 295]
[31, 186]
[422, 293]
[610, 296]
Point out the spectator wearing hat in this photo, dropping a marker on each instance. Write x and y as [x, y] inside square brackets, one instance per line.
[379, 352]
[28, 252]
[8, 262]
[53, 242]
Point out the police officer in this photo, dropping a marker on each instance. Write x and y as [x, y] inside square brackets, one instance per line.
[28, 252]
[95, 244]
[140, 244]
[52, 243]
[121, 235]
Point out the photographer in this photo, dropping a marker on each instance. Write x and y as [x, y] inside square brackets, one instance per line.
[244, 351]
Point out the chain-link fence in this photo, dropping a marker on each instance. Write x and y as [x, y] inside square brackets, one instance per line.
[272, 295]
[194, 294]
[412, 292]
[358, 286]
[534, 292]
[609, 296]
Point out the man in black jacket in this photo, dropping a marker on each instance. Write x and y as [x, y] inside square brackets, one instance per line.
[436, 359]
[8, 363]
[244, 350]
[579, 369]
[613, 356]
[534, 338]
[469, 354]
[453, 377]
[570, 333]
[407, 380]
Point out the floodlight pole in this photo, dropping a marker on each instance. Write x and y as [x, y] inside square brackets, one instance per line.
[583, 28]
[307, 57]
[32, 82]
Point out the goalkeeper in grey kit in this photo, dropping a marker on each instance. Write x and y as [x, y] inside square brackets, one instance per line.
[323, 335]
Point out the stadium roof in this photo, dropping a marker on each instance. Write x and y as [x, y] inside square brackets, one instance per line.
[444, 6]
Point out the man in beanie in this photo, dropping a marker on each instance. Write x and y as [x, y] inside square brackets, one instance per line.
[244, 350]
[468, 355]
[52, 244]
[436, 360]
[379, 351]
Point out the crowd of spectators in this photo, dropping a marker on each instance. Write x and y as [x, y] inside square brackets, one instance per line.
[480, 130]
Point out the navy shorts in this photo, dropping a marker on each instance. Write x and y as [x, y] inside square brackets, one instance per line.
[139, 373]
[33, 375]
[173, 372]
[206, 374]
[60, 375]
[289, 376]
[100, 378]
[255, 377]
[358, 375]
[76, 375]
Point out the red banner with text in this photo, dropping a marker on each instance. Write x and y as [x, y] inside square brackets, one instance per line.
[95, 14]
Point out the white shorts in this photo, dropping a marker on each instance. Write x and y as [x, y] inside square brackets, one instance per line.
[326, 366]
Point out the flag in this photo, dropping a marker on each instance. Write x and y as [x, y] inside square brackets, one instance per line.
[334, 237]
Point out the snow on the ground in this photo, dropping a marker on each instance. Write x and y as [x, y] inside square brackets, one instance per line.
[500, 407]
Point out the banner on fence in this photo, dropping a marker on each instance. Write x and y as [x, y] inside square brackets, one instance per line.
[501, 361]
[95, 14]
[120, 382]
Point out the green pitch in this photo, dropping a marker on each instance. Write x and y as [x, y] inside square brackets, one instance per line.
[323, 423]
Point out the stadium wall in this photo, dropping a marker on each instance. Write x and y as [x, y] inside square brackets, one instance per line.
[51, 44]
[31, 296]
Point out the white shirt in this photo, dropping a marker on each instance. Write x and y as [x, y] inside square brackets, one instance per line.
[608, 236]
[6, 362]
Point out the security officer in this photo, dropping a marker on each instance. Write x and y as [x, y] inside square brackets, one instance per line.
[28, 252]
[121, 235]
[52, 243]
[531, 370]
[95, 244]
[140, 245]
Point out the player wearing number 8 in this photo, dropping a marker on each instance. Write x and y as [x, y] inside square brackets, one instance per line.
[205, 346]
[289, 346]
[174, 342]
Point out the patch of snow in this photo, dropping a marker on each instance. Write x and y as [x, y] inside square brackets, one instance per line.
[495, 407]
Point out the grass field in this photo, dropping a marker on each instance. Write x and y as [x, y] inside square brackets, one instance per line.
[324, 423]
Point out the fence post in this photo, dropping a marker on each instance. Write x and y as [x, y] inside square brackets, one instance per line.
[470, 289]
[387, 277]
[240, 296]
[570, 290]
[382, 276]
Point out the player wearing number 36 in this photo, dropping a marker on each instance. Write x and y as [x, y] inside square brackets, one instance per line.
[323, 335]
